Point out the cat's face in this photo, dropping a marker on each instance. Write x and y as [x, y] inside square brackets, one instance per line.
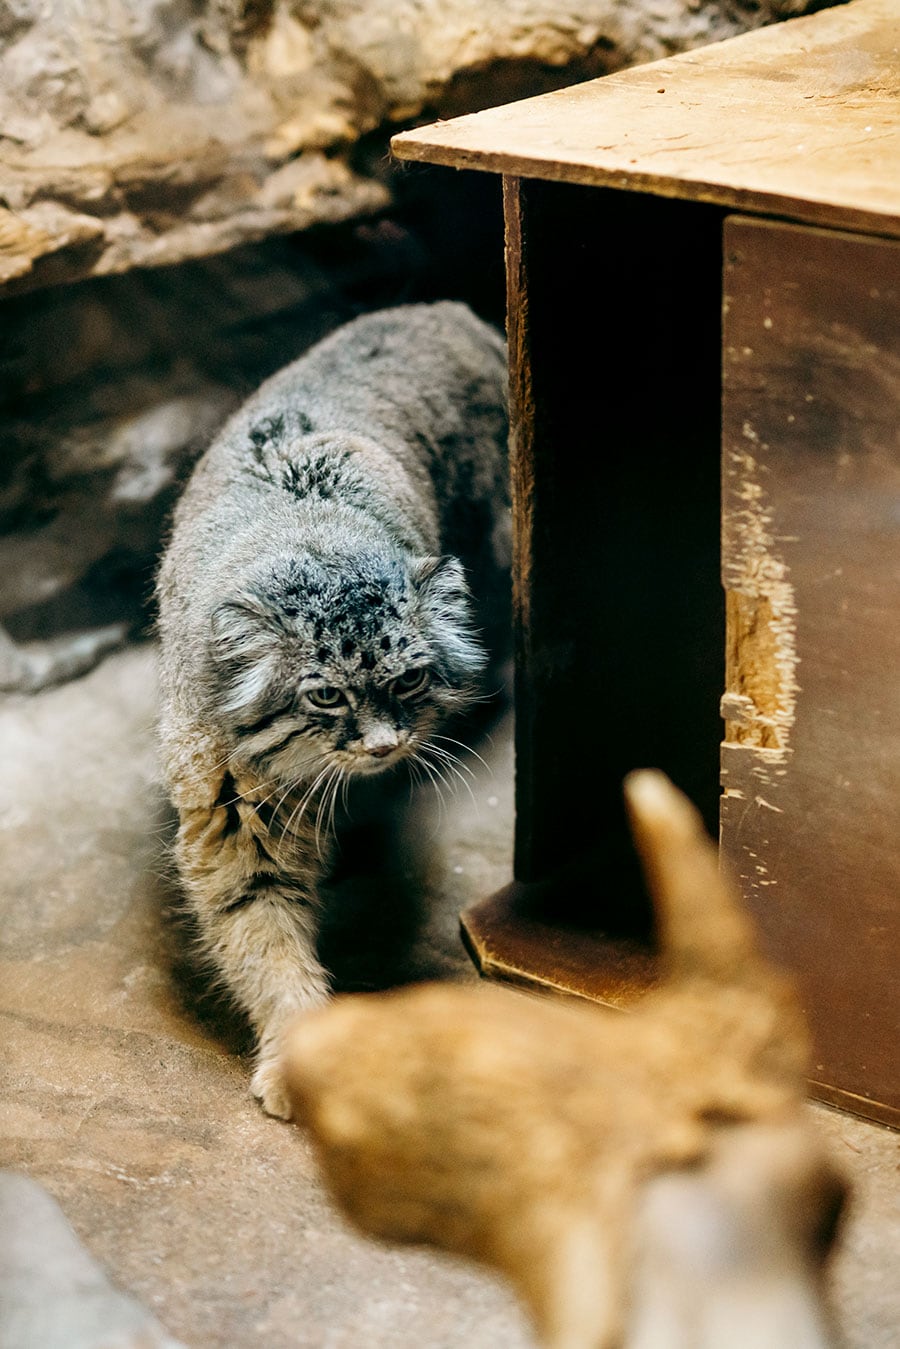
[341, 666]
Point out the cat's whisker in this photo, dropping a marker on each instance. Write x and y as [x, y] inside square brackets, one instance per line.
[226, 760]
[246, 796]
[490, 694]
[292, 787]
[450, 764]
[258, 805]
[288, 824]
[321, 806]
[442, 770]
[339, 788]
[435, 781]
[419, 783]
[330, 795]
[322, 813]
[297, 812]
[470, 696]
[415, 777]
[451, 760]
[468, 748]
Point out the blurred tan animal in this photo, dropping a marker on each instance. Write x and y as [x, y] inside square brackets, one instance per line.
[648, 1180]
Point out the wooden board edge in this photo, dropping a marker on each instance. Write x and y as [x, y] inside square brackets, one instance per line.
[879, 1112]
[796, 210]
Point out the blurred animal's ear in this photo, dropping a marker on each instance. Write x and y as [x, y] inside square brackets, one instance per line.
[701, 926]
[704, 933]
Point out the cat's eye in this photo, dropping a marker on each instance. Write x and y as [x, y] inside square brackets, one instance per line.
[411, 682]
[327, 697]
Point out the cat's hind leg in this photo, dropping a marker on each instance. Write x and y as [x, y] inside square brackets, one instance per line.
[253, 897]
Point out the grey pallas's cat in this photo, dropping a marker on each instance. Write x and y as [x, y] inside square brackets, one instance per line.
[316, 624]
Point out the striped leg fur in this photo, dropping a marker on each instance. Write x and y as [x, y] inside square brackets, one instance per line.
[249, 873]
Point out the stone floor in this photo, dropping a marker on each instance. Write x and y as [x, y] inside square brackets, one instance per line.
[126, 1098]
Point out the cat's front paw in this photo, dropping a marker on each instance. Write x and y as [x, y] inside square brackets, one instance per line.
[269, 1087]
[268, 1083]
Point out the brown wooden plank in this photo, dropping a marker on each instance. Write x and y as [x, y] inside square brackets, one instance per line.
[811, 763]
[801, 119]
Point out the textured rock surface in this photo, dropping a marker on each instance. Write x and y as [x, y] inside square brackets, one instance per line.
[141, 133]
[109, 391]
[121, 1094]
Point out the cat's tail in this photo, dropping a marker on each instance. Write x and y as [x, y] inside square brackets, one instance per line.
[701, 927]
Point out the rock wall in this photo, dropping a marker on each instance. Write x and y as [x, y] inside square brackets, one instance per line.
[141, 132]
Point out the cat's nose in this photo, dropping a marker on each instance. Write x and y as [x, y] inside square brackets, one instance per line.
[379, 741]
[380, 751]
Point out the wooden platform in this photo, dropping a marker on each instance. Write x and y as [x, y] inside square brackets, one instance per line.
[735, 208]
[513, 936]
[797, 120]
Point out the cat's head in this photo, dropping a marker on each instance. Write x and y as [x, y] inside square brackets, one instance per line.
[350, 661]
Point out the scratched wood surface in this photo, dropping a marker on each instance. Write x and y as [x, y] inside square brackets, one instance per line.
[801, 119]
[811, 565]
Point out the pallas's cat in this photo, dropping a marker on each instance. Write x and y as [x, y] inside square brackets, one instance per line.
[317, 623]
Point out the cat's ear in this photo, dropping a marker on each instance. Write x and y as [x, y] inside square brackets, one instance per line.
[444, 599]
[440, 576]
[243, 645]
[240, 629]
